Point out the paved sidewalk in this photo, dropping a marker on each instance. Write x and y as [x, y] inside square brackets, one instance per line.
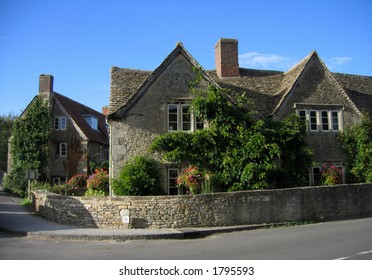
[16, 218]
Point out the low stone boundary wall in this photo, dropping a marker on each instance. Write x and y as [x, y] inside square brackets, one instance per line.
[208, 210]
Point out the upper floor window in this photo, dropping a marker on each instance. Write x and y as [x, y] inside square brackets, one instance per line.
[322, 120]
[62, 149]
[181, 117]
[92, 121]
[60, 123]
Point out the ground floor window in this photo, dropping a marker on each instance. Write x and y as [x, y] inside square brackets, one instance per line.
[59, 180]
[315, 178]
[172, 184]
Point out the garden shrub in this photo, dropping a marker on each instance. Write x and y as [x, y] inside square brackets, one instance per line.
[78, 184]
[98, 183]
[139, 177]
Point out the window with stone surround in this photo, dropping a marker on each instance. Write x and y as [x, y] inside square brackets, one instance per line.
[326, 118]
[180, 117]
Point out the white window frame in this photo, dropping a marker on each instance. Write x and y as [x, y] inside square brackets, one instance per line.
[312, 172]
[311, 119]
[325, 120]
[169, 122]
[332, 123]
[63, 149]
[60, 123]
[179, 106]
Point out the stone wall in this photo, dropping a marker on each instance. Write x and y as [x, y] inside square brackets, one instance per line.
[218, 209]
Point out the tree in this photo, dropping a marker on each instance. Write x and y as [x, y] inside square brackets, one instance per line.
[244, 154]
[6, 123]
[357, 142]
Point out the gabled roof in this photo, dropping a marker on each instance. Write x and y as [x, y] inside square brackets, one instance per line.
[301, 68]
[268, 89]
[129, 85]
[76, 112]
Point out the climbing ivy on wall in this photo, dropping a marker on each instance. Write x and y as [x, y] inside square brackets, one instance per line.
[242, 153]
[30, 135]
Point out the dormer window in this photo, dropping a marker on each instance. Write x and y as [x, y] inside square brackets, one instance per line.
[92, 121]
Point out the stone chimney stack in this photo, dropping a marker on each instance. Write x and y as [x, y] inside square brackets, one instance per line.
[226, 58]
[46, 87]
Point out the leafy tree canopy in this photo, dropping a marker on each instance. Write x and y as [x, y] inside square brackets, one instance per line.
[6, 123]
[357, 142]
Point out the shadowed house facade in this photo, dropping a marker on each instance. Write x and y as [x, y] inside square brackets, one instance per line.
[79, 137]
[145, 104]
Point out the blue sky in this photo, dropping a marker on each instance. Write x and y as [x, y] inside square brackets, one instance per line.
[77, 41]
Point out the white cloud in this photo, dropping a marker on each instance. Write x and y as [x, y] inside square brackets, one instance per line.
[266, 61]
[334, 62]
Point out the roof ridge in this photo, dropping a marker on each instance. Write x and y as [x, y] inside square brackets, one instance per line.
[306, 58]
[64, 96]
[303, 61]
[158, 70]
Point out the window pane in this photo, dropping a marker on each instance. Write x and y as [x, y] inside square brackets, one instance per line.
[56, 123]
[63, 123]
[172, 185]
[335, 121]
[172, 117]
[325, 125]
[186, 118]
[199, 124]
[316, 178]
[302, 114]
[63, 149]
[313, 121]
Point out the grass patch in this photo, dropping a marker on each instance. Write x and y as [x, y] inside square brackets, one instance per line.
[26, 202]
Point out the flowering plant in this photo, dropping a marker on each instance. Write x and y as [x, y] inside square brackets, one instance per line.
[78, 184]
[191, 178]
[98, 181]
[331, 175]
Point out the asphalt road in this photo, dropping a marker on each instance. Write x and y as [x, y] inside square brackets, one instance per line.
[348, 239]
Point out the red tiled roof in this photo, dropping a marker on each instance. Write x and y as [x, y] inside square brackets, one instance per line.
[77, 111]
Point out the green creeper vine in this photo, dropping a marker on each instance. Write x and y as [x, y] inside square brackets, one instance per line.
[30, 135]
[242, 153]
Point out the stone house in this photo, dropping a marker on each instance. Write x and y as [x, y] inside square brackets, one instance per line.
[144, 104]
[79, 135]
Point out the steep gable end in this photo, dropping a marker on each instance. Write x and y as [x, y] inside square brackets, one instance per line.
[129, 85]
[311, 82]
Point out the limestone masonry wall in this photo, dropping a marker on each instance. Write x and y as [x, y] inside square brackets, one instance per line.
[208, 210]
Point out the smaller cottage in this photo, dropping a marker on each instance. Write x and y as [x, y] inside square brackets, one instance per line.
[79, 138]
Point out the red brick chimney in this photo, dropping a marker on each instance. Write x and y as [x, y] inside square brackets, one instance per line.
[226, 58]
